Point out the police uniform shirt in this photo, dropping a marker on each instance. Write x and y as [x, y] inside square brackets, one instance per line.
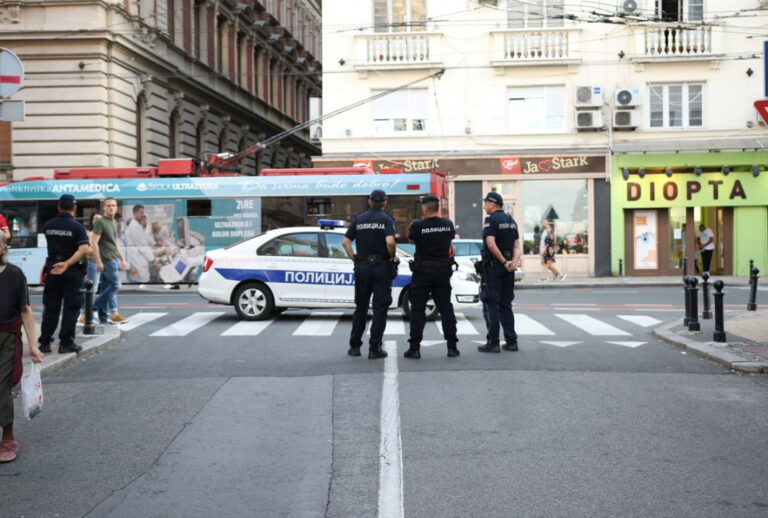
[503, 228]
[369, 230]
[433, 238]
[64, 235]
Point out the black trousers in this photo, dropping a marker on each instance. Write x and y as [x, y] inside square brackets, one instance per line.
[65, 291]
[706, 259]
[438, 284]
[373, 280]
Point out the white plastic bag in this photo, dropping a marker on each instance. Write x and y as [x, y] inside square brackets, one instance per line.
[32, 392]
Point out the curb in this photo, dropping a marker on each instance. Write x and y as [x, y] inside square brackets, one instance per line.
[54, 361]
[721, 353]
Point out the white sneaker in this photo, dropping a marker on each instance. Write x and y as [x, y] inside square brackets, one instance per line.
[562, 277]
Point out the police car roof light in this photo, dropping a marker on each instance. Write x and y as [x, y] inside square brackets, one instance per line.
[331, 223]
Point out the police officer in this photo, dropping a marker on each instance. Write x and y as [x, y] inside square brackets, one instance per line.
[432, 269]
[374, 231]
[64, 270]
[501, 257]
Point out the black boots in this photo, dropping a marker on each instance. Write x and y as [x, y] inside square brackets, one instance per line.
[453, 351]
[353, 351]
[510, 346]
[412, 353]
[375, 352]
[489, 348]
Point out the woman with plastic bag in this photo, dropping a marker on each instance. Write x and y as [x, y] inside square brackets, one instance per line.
[15, 312]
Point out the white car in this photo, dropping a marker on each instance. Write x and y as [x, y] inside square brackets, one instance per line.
[304, 267]
[467, 251]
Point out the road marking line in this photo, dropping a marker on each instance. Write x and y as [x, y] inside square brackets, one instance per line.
[641, 320]
[395, 326]
[576, 309]
[186, 325]
[140, 319]
[525, 325]
[318, 324]
[560, 344]
[591, 325]
[627, 344]
[247, 328]
[390, 445]
[463, 326]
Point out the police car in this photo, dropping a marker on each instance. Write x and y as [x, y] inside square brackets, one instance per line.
[304, 267]
[467, 251]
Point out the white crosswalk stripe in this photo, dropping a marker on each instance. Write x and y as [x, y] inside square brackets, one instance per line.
[641, 320]
[186, 325]
[395, 326]
[247, 328]
[591, 325]
[525, 325]
[319, 323]
[463, 326]
[140, 319]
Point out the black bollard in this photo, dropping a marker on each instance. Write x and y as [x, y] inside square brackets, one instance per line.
[687, 299]
[685, 267]
[752, 303]
[621, 268]
[719, 335]
[693, 321]
[89, 328]
[706, 314]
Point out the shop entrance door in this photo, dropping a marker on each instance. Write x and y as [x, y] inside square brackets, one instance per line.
[720, 221]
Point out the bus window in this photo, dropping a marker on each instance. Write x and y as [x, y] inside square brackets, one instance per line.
[198, 208]
[22, 222]
[280, 212]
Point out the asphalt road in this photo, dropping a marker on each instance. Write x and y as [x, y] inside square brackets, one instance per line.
[197, 414]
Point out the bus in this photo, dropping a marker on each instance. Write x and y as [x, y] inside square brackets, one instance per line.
[169, 222]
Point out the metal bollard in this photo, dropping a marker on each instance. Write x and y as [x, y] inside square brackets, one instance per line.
[752, 303]
[687, 299]
[621, 268]
[685, 267]
[693, 322]
[89, 328]
[719, 334]
[706, 314]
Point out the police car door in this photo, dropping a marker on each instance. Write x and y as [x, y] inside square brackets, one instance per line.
[340, 288]
[294, 268]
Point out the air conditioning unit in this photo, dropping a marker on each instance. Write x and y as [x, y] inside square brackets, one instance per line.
[587, 96]
[629, 6]
[626, 119]
[627, 97]
[589, 120]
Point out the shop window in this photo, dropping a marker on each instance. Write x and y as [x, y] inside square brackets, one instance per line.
[22, 219]
[564, 203]
[536, 110]
[676, 106]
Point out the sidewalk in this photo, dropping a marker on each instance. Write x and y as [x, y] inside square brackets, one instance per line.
[53, 361]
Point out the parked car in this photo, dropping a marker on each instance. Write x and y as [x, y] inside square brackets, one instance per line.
[304, 267]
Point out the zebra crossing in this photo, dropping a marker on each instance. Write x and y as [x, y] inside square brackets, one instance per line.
[546, 327]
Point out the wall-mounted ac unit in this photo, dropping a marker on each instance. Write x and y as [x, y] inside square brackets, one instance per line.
[626, 119]
[627, 97]
[588, 120]
[587, 96]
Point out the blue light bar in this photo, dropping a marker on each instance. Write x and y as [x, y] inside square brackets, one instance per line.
[331, 223]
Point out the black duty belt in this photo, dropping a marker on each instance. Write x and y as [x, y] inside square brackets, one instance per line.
[53, 259]
[370, 260]
[429, 263]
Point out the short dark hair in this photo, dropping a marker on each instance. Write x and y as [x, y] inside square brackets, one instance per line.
[431, 206]
[137, 208]
[378, 204]
[107, 199]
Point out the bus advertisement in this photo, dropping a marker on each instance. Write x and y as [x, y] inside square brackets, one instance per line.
[168, 223]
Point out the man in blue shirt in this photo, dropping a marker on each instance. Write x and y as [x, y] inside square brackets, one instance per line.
[67, 242]
[501, 257]
[374, 232]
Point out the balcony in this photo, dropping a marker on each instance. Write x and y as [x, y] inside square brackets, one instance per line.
[405, 50]
[527, 47]
[657, 43]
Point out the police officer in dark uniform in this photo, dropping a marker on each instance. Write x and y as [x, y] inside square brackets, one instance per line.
[64, 271]
[374, 232]
[501, 257]
[432, 268]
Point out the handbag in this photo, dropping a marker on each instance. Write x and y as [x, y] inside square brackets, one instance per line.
[32, 392]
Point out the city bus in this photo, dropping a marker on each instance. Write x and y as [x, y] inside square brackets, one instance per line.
[183, 217]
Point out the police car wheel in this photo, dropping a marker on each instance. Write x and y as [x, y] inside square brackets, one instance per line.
[253, 301]
[431, 311]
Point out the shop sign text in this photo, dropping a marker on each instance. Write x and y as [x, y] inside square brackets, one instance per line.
[671, 191]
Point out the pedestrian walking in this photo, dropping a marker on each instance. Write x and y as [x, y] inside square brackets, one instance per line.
[707, 245]
[501, 257]
[91, 272]
[109, 261]
[15, 313]
[65, 267]
[547, 250]
[432, 266]
[374, 233]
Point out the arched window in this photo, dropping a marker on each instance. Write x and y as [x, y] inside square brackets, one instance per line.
[140, 111]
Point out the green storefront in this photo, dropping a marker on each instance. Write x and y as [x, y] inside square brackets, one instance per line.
[659, 201]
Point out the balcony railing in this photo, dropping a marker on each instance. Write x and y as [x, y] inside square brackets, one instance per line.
[398, 50]
[675, 43]
[535, 46]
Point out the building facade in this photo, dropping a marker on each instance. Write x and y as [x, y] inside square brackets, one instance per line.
[540, 101]
[120, 83]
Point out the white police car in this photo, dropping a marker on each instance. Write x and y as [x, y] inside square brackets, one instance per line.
[304, 267]
[467, 251]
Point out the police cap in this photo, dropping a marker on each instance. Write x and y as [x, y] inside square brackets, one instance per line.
[429, 197]
[67, 202]
[494, 197]
[378, 195]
